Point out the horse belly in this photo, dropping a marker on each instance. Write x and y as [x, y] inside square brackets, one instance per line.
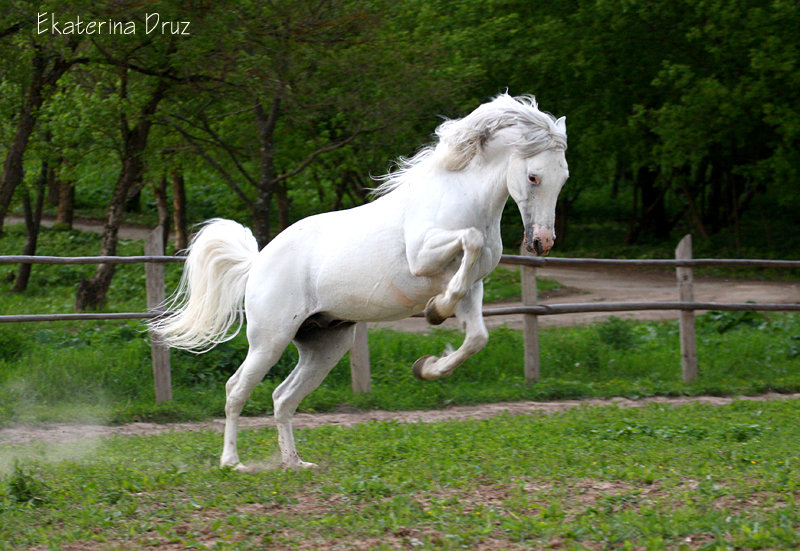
[374, 289]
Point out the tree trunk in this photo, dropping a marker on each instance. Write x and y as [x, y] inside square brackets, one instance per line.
[266, 131]
[162, 205]
[66, 204]
[44, 74]
[261, 215]
[12, 169]
[134, 201]
[179, 211]
[282, 197]
[52, 185]
[92, 292]
[33, 222]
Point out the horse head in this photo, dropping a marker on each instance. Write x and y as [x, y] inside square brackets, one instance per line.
[533, 142]
[534, 183]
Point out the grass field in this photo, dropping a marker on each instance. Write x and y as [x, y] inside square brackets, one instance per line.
[657, 477]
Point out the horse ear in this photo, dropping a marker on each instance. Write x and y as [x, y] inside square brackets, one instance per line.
[561, 124]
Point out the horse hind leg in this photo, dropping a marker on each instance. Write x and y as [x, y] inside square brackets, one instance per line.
[261, 356]
[319, 349]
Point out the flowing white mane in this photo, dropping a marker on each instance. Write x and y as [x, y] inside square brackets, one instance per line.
[461, 140]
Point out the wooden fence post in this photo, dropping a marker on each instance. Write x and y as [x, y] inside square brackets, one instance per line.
[687, 328]
[359, 361]
[154, 281]
[530, 322]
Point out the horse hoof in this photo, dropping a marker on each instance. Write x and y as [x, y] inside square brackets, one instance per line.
[300, 465]
[432, 313]
[420, 364]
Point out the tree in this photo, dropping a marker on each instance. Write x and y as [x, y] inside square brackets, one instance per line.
[33, 220]
[296, 95]
[682, 109]
[134, 133]
[729, 128]
[38, 64]
[138, 73]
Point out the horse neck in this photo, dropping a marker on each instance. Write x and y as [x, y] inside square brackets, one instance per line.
[481, 187]
[488, 182]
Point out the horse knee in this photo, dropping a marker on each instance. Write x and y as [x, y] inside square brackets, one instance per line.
[237, 392]
[280, 406]
[478, 341]
[473, 240]
[234, 402]
[283, 411]
[231, 383]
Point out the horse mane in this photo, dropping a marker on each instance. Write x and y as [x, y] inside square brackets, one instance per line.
[462, 140]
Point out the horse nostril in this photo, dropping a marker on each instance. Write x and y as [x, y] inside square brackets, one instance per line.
[537, 245]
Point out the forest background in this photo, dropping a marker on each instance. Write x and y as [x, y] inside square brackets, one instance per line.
[683, 116]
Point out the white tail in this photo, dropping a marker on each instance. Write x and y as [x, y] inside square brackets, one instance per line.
[210, 296]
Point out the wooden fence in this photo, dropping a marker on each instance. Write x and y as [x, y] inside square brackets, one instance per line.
[154, 260]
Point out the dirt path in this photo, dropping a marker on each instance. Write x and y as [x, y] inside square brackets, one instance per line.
[74, 432]
[620, 285]
[126, 231]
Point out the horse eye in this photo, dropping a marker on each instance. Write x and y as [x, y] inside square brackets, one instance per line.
[533, 179]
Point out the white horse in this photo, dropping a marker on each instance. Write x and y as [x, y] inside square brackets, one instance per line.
[426, 242]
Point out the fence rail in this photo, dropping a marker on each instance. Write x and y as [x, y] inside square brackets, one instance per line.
[27, 259]
[582, 307]
[538, 310]
[154, 261]
[542, 261]
[532, 261]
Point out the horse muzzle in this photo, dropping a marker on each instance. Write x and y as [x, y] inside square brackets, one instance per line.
[539, 240]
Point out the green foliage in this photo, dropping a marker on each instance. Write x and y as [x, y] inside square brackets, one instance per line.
[25, 488]
[697, 95]
[12, 342]
[617, 333]
[725, 321]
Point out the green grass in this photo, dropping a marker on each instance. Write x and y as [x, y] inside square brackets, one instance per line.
[505, 284]
[656, 477]
[102, 372]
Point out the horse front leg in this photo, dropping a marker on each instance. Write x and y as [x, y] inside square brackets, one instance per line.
[470, 316]
[439, 248]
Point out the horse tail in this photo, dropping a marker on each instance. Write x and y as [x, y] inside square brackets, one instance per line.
[210, 295]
